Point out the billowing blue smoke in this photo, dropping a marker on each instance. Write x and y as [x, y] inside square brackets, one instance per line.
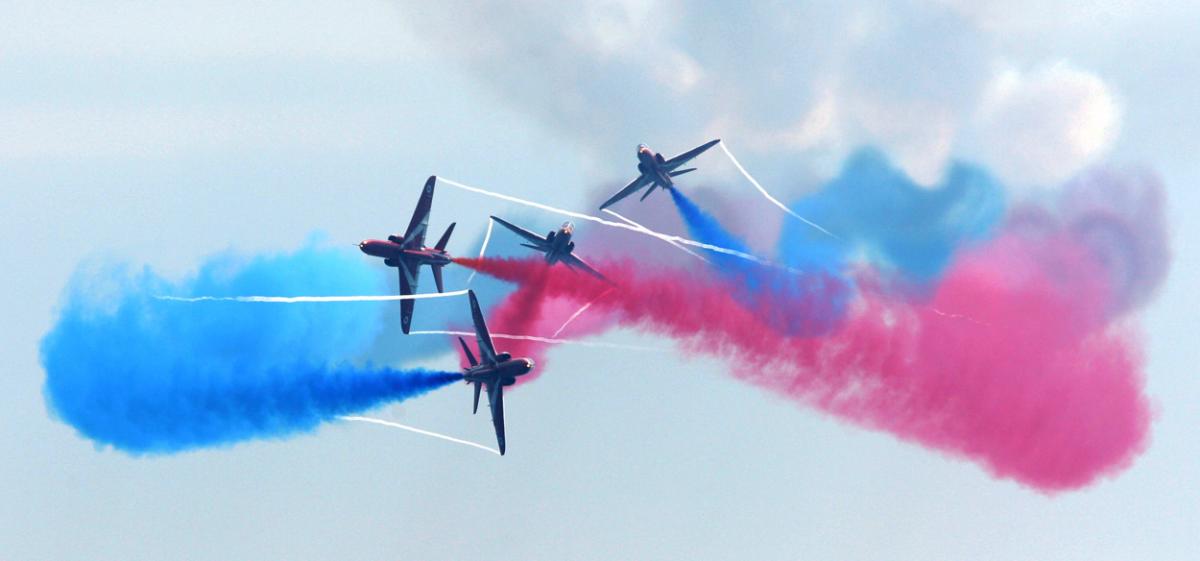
[899, 227]
[151, 376]
[818, 282]
[908, 232]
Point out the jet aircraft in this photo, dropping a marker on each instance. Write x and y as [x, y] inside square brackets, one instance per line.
[656, 171]
[408, 252]
[557, 246]
[494, 372]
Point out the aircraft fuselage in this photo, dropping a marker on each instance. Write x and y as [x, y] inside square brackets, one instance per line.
[650, 164]
[560, 244]
[394, 253]
[504, 372]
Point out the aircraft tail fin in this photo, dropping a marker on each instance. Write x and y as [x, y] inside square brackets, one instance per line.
[467, 350]
[441, 245]
[681, 172]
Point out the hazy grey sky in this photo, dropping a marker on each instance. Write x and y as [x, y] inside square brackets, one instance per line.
[160, 134]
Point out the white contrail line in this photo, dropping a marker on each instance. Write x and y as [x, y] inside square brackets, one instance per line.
[580, 312]
[673, 243]
[958, 316]
[598, 220]
[418, 431]
[300, 299]
[545, 340]
[773, 200]
[486, 238]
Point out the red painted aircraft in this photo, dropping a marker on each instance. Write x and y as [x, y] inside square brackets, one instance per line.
[408, 252]
[494, 372]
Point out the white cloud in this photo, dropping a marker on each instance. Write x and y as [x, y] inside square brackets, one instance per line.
[1040, 127]
[803, 79]
[612, 27]
[918, 136]
[630, 32]
[814, 81]
[1030, 17]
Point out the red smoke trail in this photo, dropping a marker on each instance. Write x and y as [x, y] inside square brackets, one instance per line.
[552, 312]
[518, 312]
[1011, 364]
[532, 310]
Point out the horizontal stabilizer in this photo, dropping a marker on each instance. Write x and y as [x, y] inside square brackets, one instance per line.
[681, 172]
[441, 245]
[467, 350]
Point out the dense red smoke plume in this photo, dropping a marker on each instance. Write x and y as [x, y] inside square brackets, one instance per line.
[1011, 364]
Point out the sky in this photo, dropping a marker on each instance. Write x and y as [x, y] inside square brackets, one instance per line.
[159, 135]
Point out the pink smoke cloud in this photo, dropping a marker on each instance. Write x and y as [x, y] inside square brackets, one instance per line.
[1011, 364]
[532, 310]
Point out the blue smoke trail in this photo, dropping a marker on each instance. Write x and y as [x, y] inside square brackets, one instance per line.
[896, 224]
[806, 304]
[150, 376]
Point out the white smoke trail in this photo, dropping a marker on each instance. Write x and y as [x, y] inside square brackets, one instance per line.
[418, 431]
[301, 299]
[483, 248]
[580, 312]
[598, 220]
[547, 340]
[958, 316]
[773, 200]
[673, 243]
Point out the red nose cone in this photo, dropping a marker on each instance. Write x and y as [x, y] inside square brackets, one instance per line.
[371, 247]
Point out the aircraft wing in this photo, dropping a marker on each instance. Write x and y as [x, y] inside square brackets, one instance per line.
[638, 183]
[537, 240]
[487, 351]
[414, 236]
[687, 156]
[408, 285]
[496, 401]
[575, 262]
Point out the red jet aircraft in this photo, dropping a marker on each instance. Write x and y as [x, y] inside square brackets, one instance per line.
[408, 252]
